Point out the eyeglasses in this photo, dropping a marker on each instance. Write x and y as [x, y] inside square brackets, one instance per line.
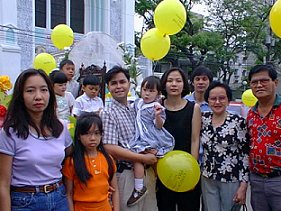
[215, 99]
[263, 82]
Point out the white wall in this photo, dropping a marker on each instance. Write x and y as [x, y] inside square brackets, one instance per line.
[9, 52]
[128, 21]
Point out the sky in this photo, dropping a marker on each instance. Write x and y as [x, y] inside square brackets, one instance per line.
[198, 8]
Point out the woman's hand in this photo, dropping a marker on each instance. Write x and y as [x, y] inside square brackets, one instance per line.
[240, 195]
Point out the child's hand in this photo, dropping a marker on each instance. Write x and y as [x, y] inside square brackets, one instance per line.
[157, 110]
[111, 189]
[151, 151]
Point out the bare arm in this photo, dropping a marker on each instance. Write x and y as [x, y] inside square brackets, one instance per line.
[115, 194]
[159, 122]
[68, 151]
[240, 195]
[195, 133]
[69, 192]
[121, 153]
[5, 181]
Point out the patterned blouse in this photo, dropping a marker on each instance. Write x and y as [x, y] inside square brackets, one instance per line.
[225, 148]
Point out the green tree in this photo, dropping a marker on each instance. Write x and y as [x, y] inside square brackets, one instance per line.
[245, 29]
[192, 42]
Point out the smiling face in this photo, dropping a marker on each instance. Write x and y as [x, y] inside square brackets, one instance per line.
[263, 86]
[60, 88]
[119, 87]
[218, 100]
[91, 139]
[36, 95]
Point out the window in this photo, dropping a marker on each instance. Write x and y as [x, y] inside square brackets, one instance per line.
[10, 36]
[58, 12]
[40, 13]
[77, 16]
[70, 12]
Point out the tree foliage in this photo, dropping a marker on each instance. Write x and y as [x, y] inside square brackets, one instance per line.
[231, 28]
[191, 43]
[245, 29]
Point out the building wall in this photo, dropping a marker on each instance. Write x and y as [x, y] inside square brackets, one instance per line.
[10, 51]
[113, 17]
[25, 21]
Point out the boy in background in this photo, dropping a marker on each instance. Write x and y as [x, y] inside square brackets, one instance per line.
[68, 68]
[89, 101]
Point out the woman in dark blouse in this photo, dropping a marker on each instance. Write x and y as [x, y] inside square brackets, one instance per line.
[225, 157]
[183, 121]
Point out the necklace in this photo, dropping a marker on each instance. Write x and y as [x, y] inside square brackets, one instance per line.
[95, 164]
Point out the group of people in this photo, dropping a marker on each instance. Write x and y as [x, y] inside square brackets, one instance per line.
[110, 165]
[67, 91]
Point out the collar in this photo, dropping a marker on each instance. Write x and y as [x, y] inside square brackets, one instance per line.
[192, 99]
[86, 97]
[276, 103]
[116, 103]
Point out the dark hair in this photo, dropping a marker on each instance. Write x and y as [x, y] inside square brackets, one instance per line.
[263, 67]
[58, 77]
[201, 70]
[64, 62]
[164, 79]
[113, 71]
[215, 84]
[83, 125]
[19, 119]
[91, 80]
[151, 82]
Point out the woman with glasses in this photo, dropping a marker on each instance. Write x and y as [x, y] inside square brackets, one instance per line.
[225, 157]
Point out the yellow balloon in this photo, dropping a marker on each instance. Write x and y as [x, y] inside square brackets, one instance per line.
[178, 171]
[248, 98]
[154, 44]
[275, 18]
[45, 62]
[62, 36]
[170, 16]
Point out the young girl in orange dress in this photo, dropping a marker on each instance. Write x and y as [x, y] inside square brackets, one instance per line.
[90, 172]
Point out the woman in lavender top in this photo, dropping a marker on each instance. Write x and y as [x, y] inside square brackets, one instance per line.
[33, 144]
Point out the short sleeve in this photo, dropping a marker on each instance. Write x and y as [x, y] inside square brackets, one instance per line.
[100, 103]
[70, 99]
[68, 139]
[77, 107]
[68, 168]
[7, 144]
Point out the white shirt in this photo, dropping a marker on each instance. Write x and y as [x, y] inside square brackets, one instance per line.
[86, 104]
[73, 87]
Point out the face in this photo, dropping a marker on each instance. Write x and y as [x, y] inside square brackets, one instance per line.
[148, 95]
[174, 84]
[36, 95]
[91, 90]
[201, 83]
[92, 139]
[262, 85]
[60, 89]
[119, 87]
[218, 100]
[69, 71]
